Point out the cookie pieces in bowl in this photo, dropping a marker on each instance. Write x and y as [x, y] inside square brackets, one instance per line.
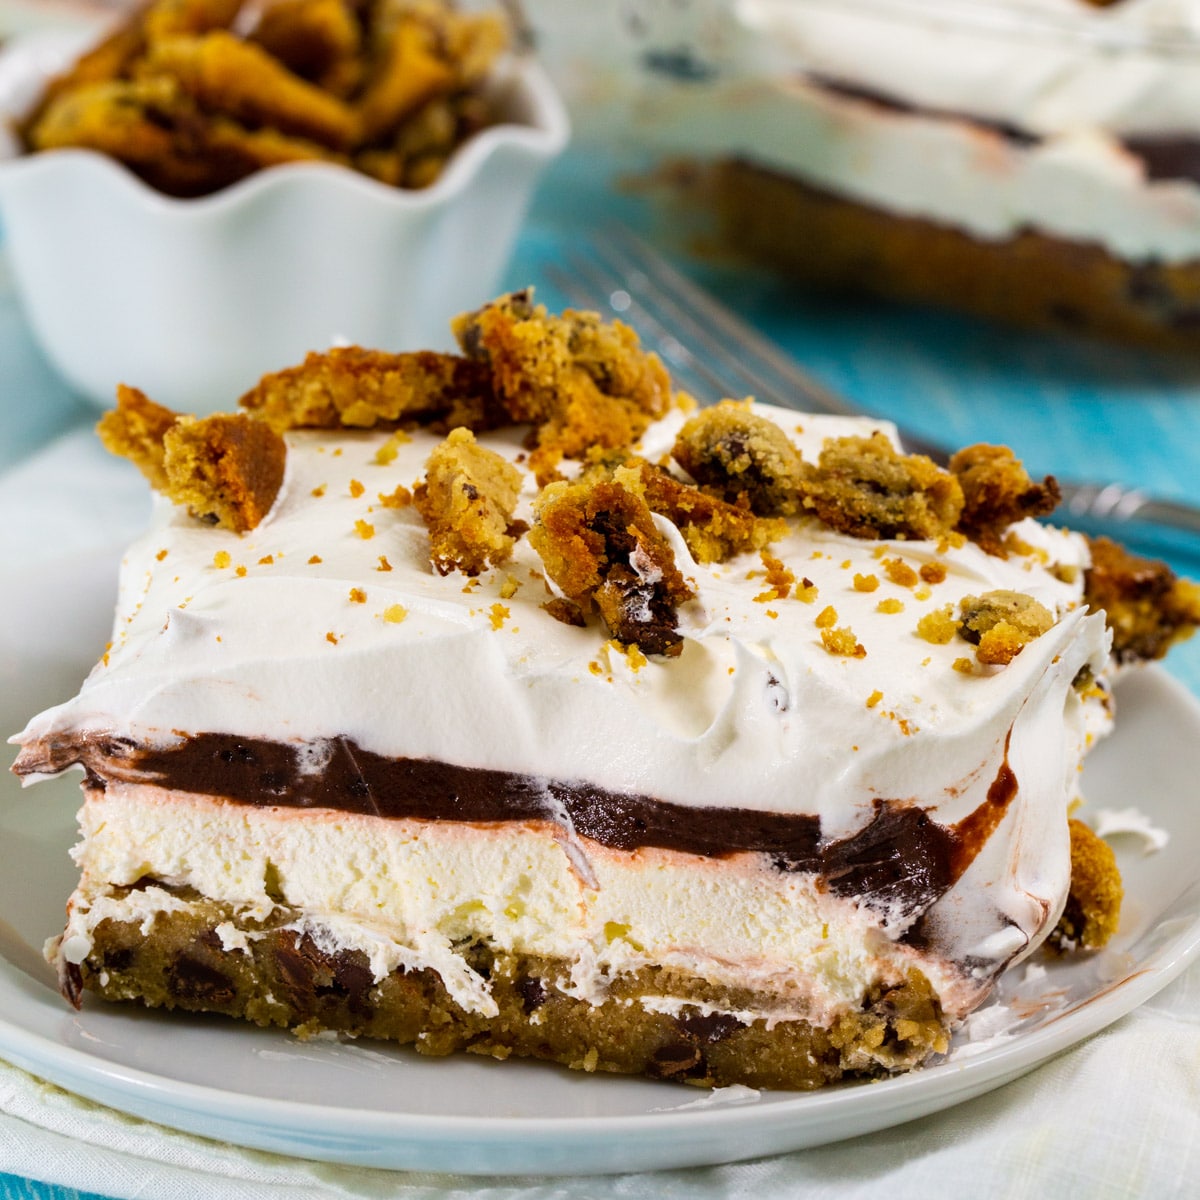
[193, 95]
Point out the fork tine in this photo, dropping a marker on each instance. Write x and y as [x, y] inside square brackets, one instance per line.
[758, 357]
[741, 379]
[594, 284]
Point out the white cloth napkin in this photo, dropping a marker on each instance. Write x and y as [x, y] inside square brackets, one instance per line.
[1114, 1118]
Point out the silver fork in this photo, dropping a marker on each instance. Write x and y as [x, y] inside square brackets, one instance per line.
[712, 353]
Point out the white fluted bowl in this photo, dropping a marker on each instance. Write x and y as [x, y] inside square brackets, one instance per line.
[194, 300]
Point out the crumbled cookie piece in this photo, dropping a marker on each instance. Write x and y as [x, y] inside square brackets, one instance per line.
[226, 468]
[779, 578]
[226, 74]
[1093, 907]
[599, 544]
[997, 491]
[135, 430]
[579, 381]
[713, 529]
[1001, 623]
[370, 389]
[467, 499]
[866, 488]
[1147, 607]
[742, 458]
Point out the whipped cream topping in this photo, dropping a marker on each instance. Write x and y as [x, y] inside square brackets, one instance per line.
[328, 621]
[742, 79]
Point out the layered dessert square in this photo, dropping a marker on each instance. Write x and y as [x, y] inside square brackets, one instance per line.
[504, 701]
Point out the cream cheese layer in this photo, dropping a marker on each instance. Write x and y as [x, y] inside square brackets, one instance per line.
[408, 893]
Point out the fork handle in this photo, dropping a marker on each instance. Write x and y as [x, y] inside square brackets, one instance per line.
[1119, 506]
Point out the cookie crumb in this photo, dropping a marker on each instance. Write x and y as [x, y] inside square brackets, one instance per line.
[938, 626]
[842, 641]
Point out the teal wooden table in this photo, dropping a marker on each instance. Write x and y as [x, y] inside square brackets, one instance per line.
[1074, 409]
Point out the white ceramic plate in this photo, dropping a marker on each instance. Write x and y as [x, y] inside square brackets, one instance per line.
[385, 1107]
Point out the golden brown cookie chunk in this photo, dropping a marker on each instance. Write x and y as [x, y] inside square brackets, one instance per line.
[135, 430]
[467, 499]
[997, 491]
[365, 389]
[866, 488]
[225, 74]
[1148, 608]
[156, 131]
[227, 468]
[130, 121]
[410, 72]
[713, 529]
[103, 63]
[1094, 902]
[580, 381]
[742, 458]
[171, 18]
[312, 38]
[425, 52]
[599, 543]
[1001, 623]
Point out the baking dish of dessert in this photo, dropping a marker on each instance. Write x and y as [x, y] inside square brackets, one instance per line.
[1033, 161]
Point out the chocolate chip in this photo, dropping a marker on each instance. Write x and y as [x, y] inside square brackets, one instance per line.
[714, 1027]
[532, 992]
[193, 982]
[120, 959]
[355, 979]
[676, 1058]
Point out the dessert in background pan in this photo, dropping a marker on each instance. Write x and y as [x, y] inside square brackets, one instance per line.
[503, 701]
[1036, 161]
